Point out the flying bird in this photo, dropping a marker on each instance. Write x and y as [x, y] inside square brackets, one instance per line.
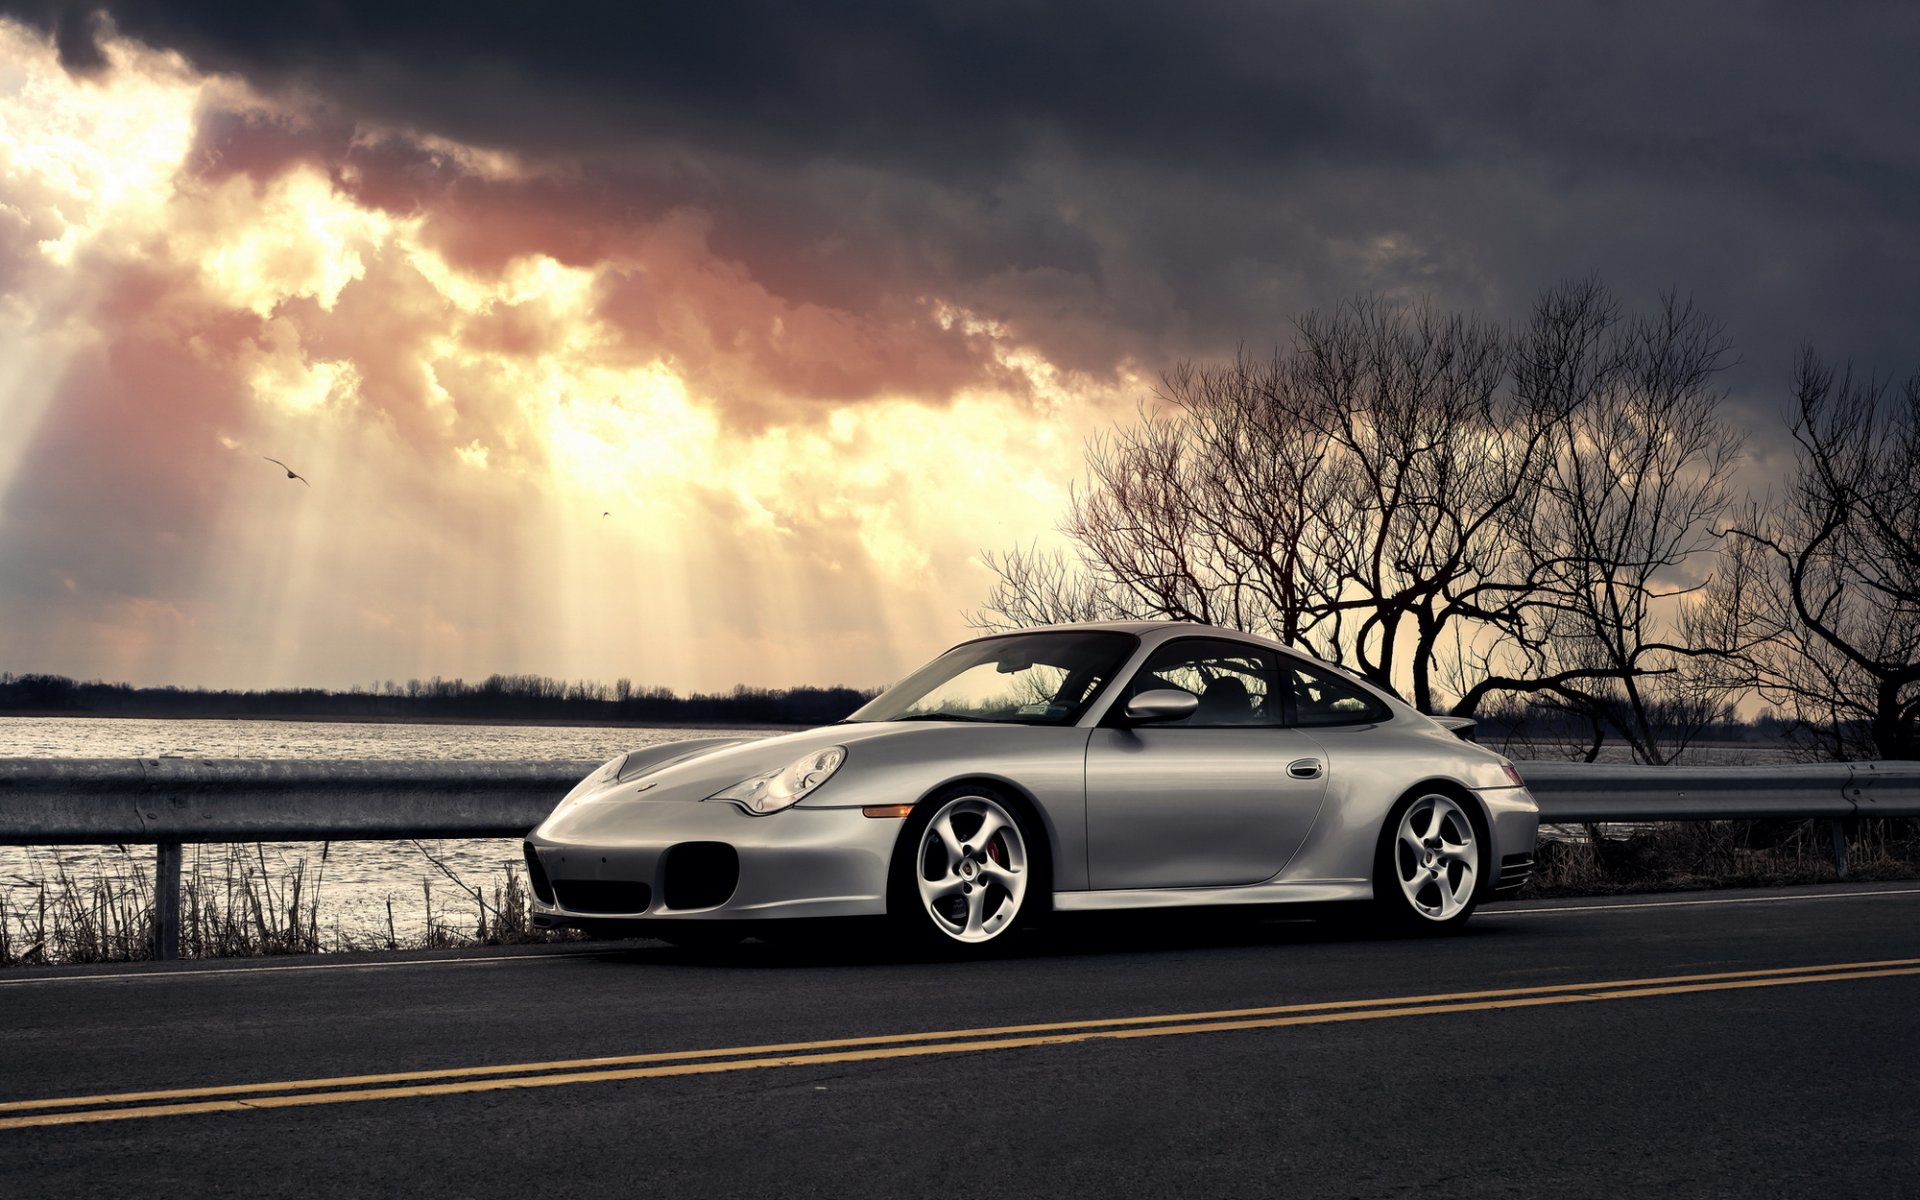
[606, 514]
[289, 470]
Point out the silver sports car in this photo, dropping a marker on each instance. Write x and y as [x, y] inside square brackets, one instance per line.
[1071, 768]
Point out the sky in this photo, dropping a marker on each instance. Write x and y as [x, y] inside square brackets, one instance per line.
[706, 344]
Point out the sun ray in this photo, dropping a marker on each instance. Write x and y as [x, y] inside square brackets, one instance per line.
[464, 422]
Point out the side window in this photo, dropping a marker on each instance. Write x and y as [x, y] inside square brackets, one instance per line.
[1237, 684]
[1323, 698]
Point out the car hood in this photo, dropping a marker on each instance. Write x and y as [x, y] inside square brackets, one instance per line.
[706, 765]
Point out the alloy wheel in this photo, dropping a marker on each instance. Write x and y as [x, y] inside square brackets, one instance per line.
[1436, 856]
[971, 869]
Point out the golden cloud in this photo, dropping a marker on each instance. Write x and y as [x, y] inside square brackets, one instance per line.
[471, 361]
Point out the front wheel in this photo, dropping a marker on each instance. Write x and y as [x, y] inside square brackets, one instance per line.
[964, 873]
[1426, 873]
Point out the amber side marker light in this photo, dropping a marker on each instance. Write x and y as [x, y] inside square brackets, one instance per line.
[887, 810]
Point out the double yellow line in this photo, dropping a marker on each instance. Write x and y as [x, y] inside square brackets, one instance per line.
[397, 1085]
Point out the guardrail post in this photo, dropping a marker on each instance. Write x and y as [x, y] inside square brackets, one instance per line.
[166, 901]
[1838, 829]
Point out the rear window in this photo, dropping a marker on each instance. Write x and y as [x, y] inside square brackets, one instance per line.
[1324, 698]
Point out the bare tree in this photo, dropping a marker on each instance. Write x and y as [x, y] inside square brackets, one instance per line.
[1635, 478]
[1408, 492]
[1821, 593]
[1438, 456]
[1035, 586]
[1220, 508]
[1347, 495]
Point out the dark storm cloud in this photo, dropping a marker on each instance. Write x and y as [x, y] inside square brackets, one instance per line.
[1158, 179]
[942, 86]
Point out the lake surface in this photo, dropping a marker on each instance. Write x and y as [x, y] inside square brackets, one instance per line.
[361, 884]
[117, 737]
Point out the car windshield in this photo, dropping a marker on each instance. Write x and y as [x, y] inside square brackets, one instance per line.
[1020, 679]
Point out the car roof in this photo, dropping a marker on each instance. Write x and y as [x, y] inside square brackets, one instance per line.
[1147, 630]
[1153, 633]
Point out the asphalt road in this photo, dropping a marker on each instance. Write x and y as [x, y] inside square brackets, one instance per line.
[1710, 1044]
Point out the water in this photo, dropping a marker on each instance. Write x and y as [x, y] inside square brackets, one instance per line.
[116, 737]
[362, 884]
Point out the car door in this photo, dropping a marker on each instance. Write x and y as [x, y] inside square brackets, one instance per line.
[1221, 798]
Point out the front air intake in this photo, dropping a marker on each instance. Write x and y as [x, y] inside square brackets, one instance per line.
[612, 896]
[1515, 870]
[699, 875]
[537, 875]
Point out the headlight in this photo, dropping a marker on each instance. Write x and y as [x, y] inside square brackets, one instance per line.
[786, 787]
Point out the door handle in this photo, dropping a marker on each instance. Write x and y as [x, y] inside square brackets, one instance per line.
[1304, 768]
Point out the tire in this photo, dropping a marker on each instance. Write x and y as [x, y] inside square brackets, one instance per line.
[1430, 863]
[951, 891]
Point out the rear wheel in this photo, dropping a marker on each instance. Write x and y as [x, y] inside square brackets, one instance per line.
[964, 873]
[1426, 873]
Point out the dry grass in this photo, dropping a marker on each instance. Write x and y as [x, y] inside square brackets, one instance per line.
[1687, 855]
[234, 905]
[68, 920]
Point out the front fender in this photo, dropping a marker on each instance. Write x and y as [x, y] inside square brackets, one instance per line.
[1045, 765]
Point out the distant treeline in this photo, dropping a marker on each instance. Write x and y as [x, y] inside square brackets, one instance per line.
[498, 697]
[538, 698]
[1544, 730]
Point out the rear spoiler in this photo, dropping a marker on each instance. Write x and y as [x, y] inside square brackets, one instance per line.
[1460, 727]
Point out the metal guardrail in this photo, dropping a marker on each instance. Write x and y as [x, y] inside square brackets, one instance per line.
[1839, 793]
[169, 802]
[113, 801]
[1575, 791]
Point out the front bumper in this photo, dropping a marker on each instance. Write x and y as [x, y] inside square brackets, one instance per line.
[671, 860]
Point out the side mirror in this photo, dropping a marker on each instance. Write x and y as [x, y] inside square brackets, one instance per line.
[1161, 704]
